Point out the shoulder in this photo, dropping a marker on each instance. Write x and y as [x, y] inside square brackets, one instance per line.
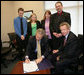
[29, 22]
[53, 15]
[67, 13]
[16, 18]
[24, 18]
[44, 39]
[37, 21]
[42, 21]
[72, 35]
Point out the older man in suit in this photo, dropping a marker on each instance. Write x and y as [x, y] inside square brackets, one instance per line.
[66, 53]
[37, 48]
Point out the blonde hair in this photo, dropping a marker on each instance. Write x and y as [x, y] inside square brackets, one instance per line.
[31, 16]
[65, 23]
[40, 31]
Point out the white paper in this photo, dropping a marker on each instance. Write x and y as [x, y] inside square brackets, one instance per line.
[30, 67]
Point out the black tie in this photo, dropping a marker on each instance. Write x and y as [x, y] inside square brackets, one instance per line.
[22, 32]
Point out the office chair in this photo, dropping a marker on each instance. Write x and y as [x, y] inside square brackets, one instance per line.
[14, 45]
[5, 53]
[74, 68]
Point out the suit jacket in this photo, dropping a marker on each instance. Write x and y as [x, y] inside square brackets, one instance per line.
[30, 51]
[56, 20]
[29, 29]
[69, 50]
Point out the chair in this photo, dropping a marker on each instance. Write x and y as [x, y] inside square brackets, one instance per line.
[74, 68]
[13, 43]
[80, 63]
[4, 53]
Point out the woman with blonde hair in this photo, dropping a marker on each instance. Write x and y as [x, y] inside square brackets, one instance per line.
[33, 25]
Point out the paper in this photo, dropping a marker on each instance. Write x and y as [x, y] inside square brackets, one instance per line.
[30, 67]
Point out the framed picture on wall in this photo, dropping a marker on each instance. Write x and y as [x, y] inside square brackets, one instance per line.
[27, 14]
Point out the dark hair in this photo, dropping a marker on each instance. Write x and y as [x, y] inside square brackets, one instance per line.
[20, 9]
[47, 11]
[59, 2]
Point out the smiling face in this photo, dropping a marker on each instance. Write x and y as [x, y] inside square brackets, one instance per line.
[38, 36]
[20, 13]
[33, 17]
[64, 30]
[47, 15]
[58, 7]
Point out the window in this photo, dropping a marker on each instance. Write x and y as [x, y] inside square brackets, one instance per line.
[75, 8]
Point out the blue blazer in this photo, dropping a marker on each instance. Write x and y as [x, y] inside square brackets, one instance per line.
[17, 26]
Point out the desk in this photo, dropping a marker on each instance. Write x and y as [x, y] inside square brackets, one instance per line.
[44, 68]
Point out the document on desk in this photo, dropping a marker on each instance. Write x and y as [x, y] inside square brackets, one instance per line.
[30, 67]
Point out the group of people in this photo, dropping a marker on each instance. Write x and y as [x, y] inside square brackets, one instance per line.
[49, 38]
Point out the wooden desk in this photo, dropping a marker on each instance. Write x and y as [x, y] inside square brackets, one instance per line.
[18, 69]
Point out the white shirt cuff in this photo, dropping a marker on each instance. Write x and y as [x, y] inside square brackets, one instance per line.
[26, 57]
[43, 56]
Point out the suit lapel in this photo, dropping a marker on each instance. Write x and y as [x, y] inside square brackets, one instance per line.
[68, 38]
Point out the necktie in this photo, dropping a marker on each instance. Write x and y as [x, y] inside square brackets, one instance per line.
[22, 32]
[38, 49]
[64, 41]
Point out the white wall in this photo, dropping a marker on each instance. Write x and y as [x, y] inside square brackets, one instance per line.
[75, 8]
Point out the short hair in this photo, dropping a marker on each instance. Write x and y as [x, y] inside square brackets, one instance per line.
[20, 9]
[65, 23]
[59, 2]
[47, 11]
[40, 31]
[32, 15]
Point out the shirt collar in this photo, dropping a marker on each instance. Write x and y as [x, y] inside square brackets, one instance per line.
[59, 13]
[66, 36]
[20, 17]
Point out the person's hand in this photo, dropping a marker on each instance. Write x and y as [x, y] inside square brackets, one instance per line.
[55, 51]
[59, 35]
[27, 61]
[30, 36]
[39, 60]
[58, 57]
[22, 37]
[54, 33]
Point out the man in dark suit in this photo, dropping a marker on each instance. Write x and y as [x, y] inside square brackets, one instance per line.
[55, 21]
[33, 52]
[66, 53]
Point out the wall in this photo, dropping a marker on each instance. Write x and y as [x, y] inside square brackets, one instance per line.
[7, 16]
[36, 6]
[9, 12]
